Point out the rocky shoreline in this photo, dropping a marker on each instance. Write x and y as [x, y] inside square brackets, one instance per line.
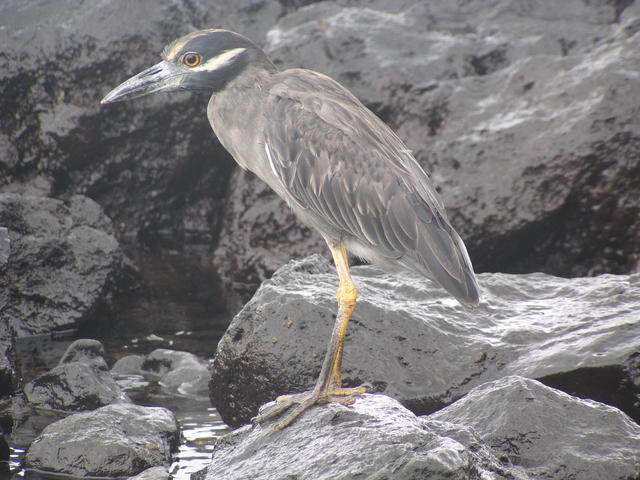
[523, 112]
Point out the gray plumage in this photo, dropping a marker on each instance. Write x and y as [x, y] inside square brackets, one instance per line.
[340, 168]
[346, 174]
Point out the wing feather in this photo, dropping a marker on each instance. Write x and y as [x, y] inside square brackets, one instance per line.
[356, 181]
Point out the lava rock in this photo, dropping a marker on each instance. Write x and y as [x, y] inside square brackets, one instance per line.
[155, 167]
[260, 233]
[375, 438]
[521, 112]
[547, 433]
[153, 473]
[64, 268]
[8, 376]
[81, 381]
[181, 372]
[512, 428]
[112, 441]
[409, 339]
[128, 365]
[5, 451]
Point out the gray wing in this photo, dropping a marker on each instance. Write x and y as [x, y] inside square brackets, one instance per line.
[357, 181]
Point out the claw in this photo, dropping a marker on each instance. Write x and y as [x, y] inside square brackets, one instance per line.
[303, 401]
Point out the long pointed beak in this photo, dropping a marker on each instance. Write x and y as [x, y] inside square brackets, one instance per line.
[163, 76]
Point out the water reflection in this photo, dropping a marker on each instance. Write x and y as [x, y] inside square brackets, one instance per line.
[200, 422]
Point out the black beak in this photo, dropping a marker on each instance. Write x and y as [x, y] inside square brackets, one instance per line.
[163, 76]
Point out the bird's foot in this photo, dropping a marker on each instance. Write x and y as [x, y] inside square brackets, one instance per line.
[302, 401]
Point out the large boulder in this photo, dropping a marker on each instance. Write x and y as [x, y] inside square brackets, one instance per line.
[8, 377]
[260, 233]
[154, 165]
[547, 433]
[513, 428]
[409, 339]
[376, 438]
[113, 441]
[520, 110]
[63, 267]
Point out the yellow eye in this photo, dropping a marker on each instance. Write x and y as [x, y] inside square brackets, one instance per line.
[191, 59]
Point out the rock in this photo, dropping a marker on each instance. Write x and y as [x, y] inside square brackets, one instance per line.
[260, 233]
[520, 110]
[412, 341]
[156, 169]
[81, 381]
[8, 376]
[374, 438]
[153, 473]
[63, 269]
[87, 351]
[112, 441]
[512, 428]
[128, 365]
[547, 433]
[181, 372]
[5, 451]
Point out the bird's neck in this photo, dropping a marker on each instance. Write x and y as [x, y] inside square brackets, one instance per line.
[235, 113]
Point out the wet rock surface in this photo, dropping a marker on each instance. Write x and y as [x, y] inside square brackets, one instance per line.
[63, 266]
[112, 441]
[8, 377]
[410, 340]
[260, 233]
[512, 428]
[154, 166]
[153, 473]
[546, 433]
[178, 371]
[175, 371]
[374, 438]
[81, 381]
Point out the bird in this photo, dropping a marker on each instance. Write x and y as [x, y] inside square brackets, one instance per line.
[340, 168]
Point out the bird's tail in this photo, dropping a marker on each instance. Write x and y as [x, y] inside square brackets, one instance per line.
[442, 256]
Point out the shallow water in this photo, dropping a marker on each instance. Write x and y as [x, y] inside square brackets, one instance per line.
[199, 421]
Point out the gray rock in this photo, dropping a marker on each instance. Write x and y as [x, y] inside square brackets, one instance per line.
[376, 438]
[547, 433]
[153, 473]
[412, 341]
[5, 246]
[260, 233]
[87, 351]
[5, 451]
[157, 169]
[180, 372]
[63, 269]
[113, 441]
[129, 365]
[8, 377]
[81, 381]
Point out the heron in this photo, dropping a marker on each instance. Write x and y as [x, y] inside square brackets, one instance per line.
[340, 168]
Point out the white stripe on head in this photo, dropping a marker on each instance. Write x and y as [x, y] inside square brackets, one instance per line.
[219, 61]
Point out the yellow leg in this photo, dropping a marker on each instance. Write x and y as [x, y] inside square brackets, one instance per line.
[329, 385]
[346, 295]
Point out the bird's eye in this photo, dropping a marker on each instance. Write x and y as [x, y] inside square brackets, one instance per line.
[191, 59]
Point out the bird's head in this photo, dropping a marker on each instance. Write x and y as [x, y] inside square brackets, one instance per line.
[203, 60]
